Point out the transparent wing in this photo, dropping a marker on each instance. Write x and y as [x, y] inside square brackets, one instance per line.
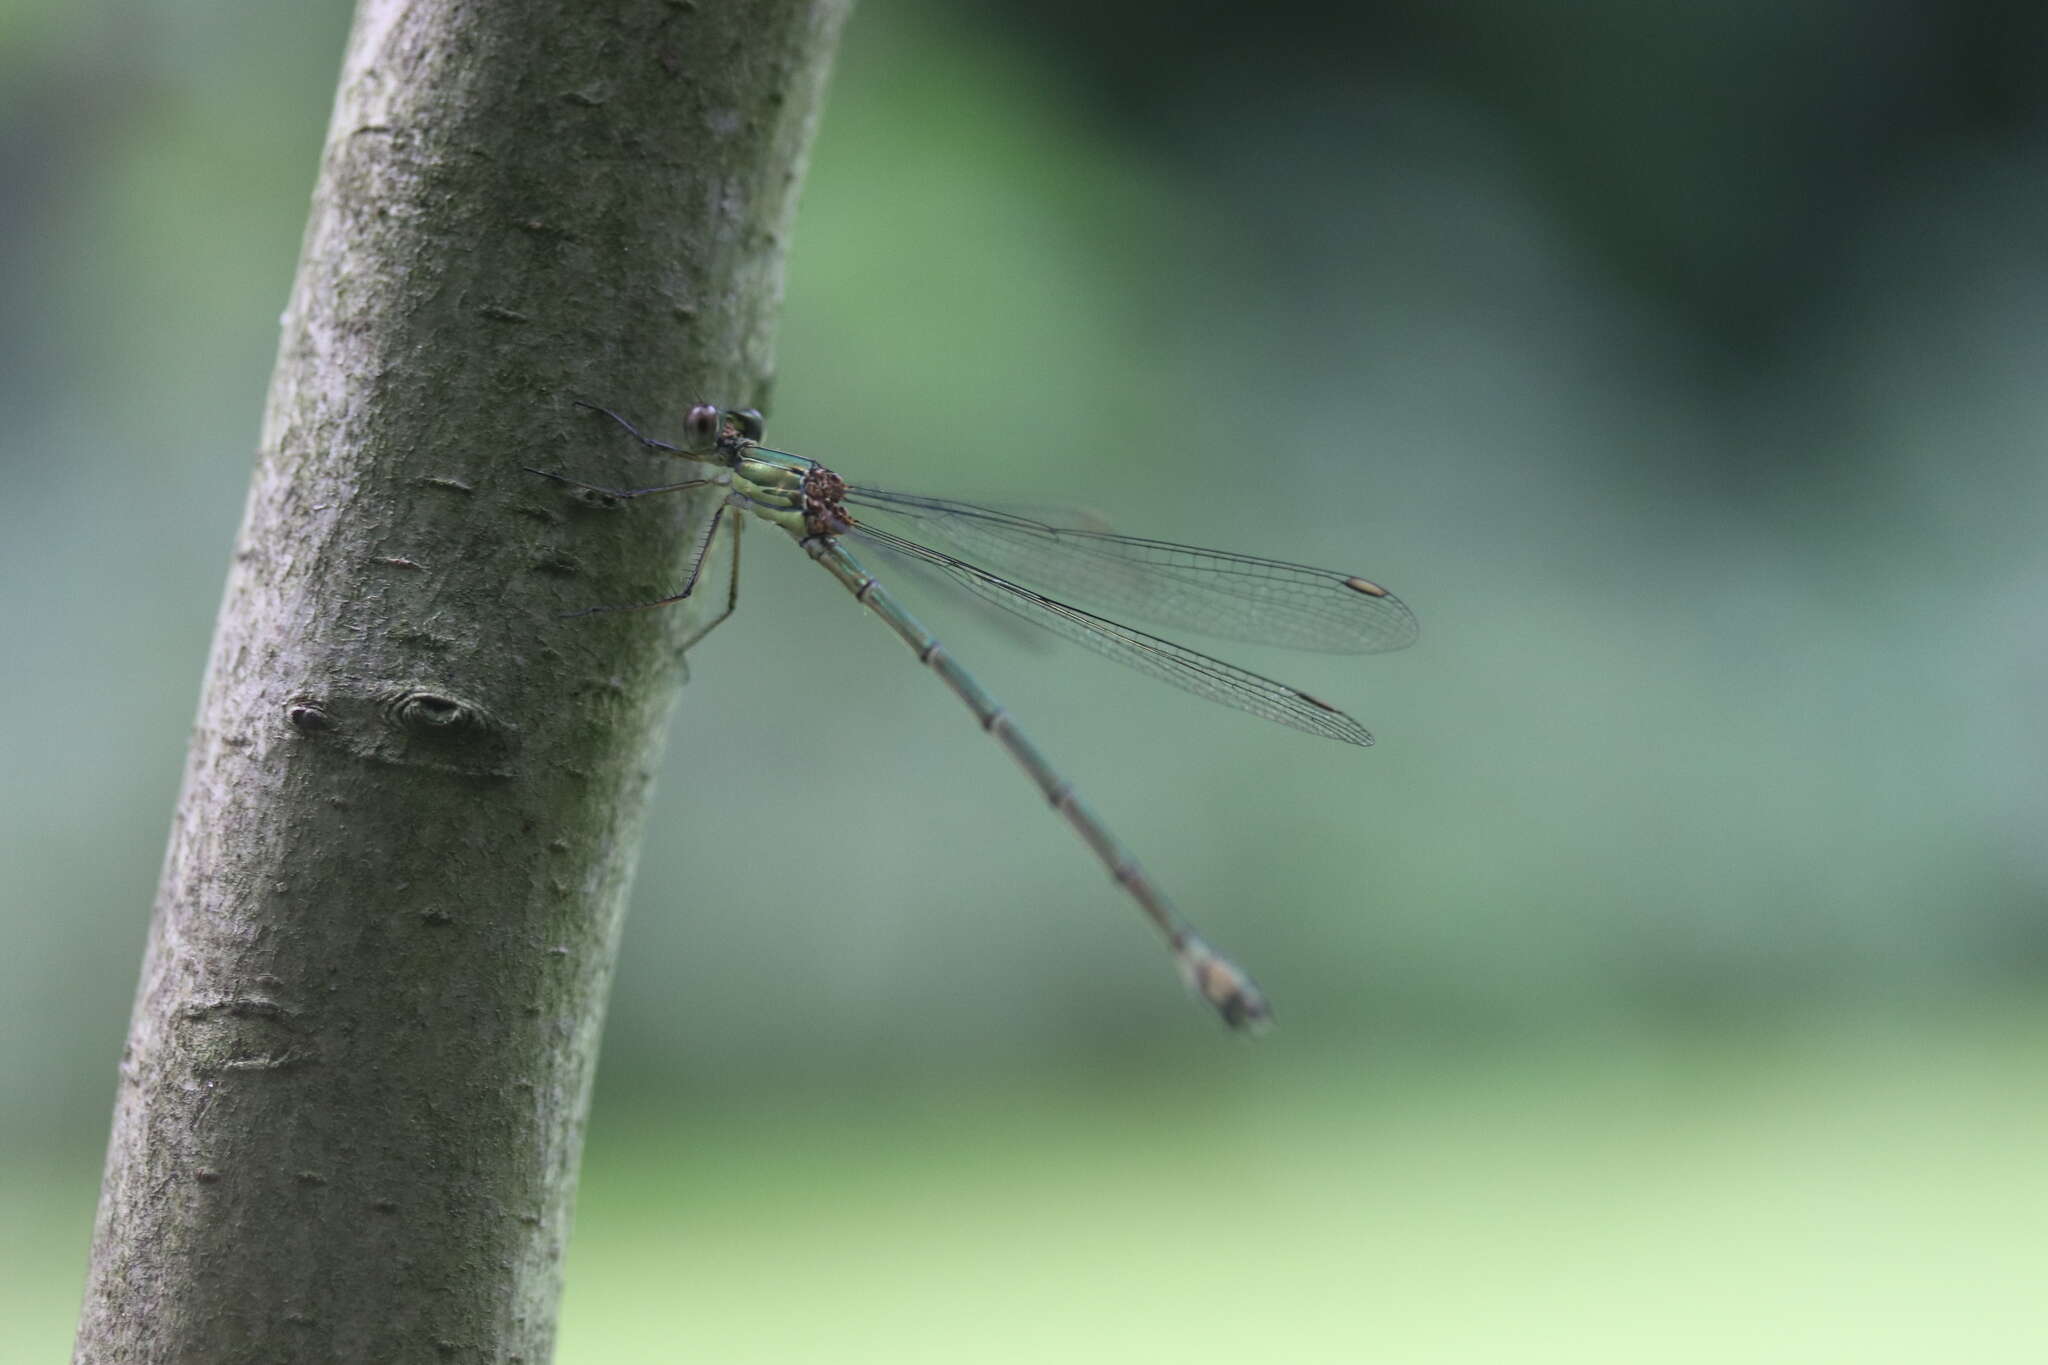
[928, 576]
[1162, 659]
[1236, 597]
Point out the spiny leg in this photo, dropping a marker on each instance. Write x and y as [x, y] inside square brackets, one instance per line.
[696, 571]
[624, 493]
[732, 595]
[647, 441]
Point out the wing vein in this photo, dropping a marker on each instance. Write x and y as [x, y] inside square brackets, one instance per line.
[1213, 592]
[1188, 669]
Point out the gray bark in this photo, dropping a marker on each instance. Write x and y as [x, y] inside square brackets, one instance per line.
[350, 1110]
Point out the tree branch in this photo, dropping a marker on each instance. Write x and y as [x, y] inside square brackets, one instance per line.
[351, 1106]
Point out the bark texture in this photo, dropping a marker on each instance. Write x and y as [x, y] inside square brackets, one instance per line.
[350, 1110]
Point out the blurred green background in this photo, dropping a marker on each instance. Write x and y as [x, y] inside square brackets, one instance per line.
[1666, 986]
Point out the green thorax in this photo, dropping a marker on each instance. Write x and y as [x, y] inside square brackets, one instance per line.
[801, 497]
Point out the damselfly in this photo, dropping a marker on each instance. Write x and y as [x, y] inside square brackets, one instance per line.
[1028, 566]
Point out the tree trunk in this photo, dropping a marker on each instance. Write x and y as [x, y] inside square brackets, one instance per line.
[350, 1109]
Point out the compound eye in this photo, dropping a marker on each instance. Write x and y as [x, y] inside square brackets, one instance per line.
[749, 423]
[700, 425]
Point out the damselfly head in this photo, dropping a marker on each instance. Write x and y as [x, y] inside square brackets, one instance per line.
[709, 427]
